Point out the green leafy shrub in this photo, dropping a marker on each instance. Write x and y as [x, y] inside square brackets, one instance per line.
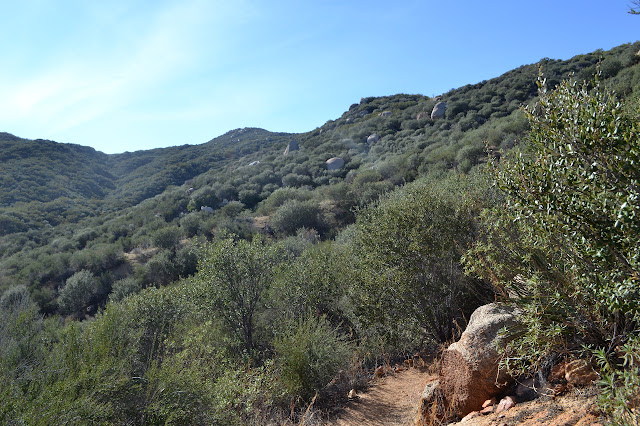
[77, 292]
[293, 215]
[238, 274]
[564, 246]
[409, 246]
[310, 353]
[123, 288]
[167, 238]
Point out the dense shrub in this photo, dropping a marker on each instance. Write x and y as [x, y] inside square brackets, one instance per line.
[410, 243]
[123, 288]
[77, 292]
[310, 353]
[293, 215]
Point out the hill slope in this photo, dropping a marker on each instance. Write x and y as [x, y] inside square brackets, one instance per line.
[62, 206]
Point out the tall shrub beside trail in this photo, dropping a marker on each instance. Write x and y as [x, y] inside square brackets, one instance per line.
[409, 245]
[565, 245]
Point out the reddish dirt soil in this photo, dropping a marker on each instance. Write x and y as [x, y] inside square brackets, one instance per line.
[576, 408]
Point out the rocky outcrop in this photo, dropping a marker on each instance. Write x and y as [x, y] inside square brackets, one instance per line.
[438, 110]
[334, 163]
[422, 115]
[373, 138]
[385, 114]
[292, 146]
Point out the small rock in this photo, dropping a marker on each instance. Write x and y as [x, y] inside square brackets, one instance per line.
[469, 370]
[487, 410]
[489, 402]
[293, 146]
[373, 138]
[433, 409]
[471, 415]
[580, 373]
[505, 404]
[353, 394]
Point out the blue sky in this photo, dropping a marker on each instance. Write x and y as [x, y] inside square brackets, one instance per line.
[130, 75]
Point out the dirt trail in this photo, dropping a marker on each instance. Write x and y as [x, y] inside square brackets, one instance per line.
[390, 401]
[393, 400]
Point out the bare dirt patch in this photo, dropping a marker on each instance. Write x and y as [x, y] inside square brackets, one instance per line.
[390, 401]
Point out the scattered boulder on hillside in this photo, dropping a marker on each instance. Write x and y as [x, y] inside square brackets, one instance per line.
[469, 373]
[422, 115]
[335, 163]
[206, 209]
[384, 114]
[438, 110]
[254, 163]
[292, 146]
[373, 138]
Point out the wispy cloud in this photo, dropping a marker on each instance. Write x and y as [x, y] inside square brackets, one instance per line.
[64, 94]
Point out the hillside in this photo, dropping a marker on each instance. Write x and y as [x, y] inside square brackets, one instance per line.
[58, 198]
[259, 276]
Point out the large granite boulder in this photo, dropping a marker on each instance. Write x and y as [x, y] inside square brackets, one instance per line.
[469, 373]
[438, 110]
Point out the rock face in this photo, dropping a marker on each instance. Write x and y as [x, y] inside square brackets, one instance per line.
[438, 110]
[373, 138]
[335, 163]
[469, 369]
[292, 146]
